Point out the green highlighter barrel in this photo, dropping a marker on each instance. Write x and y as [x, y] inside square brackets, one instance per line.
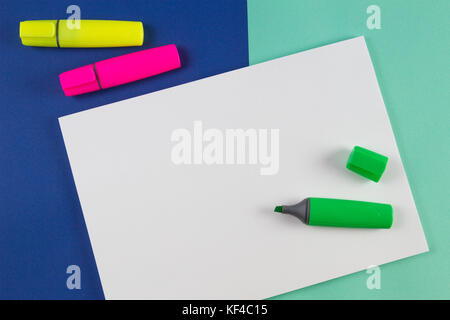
[341, 213]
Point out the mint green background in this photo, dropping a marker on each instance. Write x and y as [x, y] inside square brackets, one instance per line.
[411, 55]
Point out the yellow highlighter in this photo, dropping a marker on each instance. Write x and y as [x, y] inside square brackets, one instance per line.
[81, 33]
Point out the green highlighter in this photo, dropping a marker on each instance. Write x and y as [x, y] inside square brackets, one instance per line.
[341, 213]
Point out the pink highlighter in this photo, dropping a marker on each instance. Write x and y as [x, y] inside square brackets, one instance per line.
[119, 70]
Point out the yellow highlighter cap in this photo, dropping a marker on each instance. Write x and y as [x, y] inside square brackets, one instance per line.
[39, 33]
[100, 33]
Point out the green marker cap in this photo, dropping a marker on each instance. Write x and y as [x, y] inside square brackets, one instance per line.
[366, 163]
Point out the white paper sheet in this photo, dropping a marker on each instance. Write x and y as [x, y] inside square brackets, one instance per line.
[206, 230]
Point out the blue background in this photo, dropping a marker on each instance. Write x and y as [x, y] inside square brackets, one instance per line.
[42, 230]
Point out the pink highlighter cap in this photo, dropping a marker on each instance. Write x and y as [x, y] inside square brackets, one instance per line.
[119, 70]
[78, 81]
